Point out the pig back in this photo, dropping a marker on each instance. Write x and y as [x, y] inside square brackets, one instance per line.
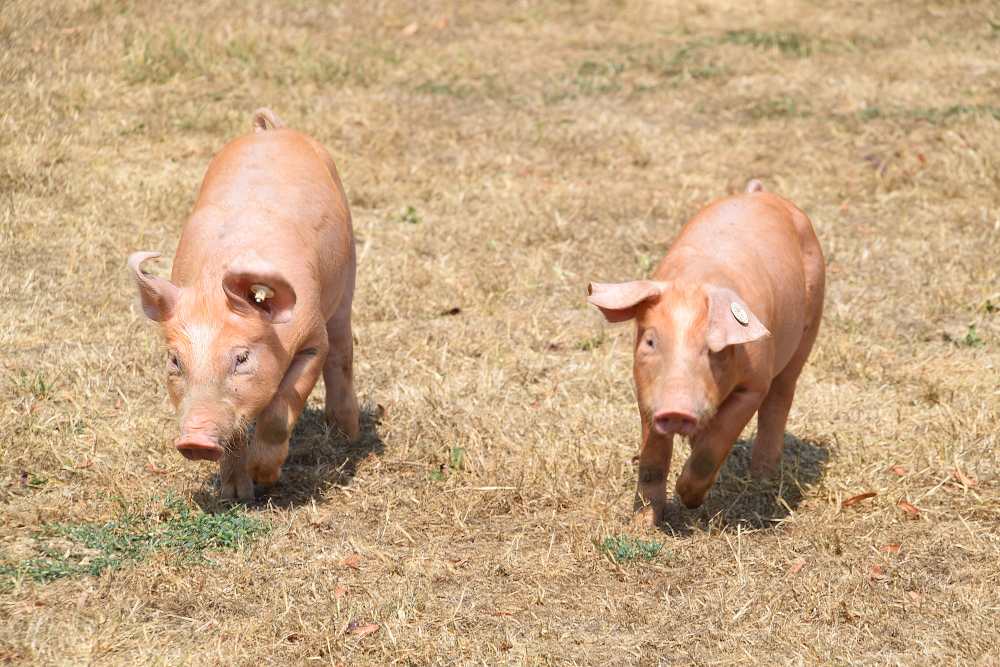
[752, 244]
[270, 196]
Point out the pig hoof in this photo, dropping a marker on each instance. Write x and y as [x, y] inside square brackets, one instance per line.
[236, 486]
[761, 472]
[692, 501]
[645, 517]
[352, 431]
[265, 477]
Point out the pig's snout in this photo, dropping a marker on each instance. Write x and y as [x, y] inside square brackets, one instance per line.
[683, 423]
[197, 447]
[199, 439]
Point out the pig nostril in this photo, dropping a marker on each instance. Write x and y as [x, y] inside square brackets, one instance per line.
[676, 423]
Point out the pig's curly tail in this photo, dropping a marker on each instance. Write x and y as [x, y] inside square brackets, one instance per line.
[263, 116]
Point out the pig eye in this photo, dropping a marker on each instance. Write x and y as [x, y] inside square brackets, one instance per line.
[242, 358]
[173, 364]
[649, 343]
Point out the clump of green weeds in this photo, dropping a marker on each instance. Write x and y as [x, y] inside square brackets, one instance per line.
[142, 529]
[37, 385]
[456, 462]
[592, 343]
[623, 548]
[970, 339]
[409, 216]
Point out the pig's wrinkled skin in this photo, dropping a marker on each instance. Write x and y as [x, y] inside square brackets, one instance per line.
[699, 371]
[258, 304]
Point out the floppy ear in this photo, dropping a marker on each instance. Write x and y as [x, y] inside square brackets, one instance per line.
[726, 326]
[258, 289]
[158, 296]
[618, 302]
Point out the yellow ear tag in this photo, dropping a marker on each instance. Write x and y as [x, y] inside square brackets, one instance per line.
[261, 292]
[739, 313]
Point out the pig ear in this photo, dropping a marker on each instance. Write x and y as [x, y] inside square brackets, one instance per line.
[158, 296]
[259, 290]
[730, 321]
[618, 302]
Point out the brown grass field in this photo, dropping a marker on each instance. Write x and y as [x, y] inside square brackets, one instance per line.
[498, 156]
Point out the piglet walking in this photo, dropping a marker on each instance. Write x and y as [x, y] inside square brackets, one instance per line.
[258, 304]
[722, 331]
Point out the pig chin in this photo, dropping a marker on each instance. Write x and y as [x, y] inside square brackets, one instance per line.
[208, 442]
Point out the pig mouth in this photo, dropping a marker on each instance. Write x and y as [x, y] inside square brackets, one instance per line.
[198, 448]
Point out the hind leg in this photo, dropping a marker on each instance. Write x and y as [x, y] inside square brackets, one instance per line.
[342, 413]
[765, 460]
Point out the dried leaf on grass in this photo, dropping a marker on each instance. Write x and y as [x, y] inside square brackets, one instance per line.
[917, 597]
[355, 629]
[961, 477]
[29, 608]
[909, 509]
[858, 498]
[891, 548]
[339, 592]
[899, 470]
[796, 565]
[351, 561]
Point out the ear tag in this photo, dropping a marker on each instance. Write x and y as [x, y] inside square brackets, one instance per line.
[739, 313]
[261, 292]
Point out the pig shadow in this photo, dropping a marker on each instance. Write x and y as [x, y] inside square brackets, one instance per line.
[736, 499]
[318, 459]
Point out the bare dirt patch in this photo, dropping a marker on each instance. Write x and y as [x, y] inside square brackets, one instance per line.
[497, 156]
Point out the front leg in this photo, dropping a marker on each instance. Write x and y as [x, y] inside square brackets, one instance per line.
[269, 447]
[654, 464]
[235, 482]
[711, 445]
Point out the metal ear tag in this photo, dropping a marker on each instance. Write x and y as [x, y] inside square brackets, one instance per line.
[739, 313]
[261, 292]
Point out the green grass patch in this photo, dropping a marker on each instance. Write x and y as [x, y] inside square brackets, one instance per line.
[456, 463]
[933, 115]
[165, 56]
[174, 53]
[409, 216]
[790, 42]
[782, 107]
[970, 339]
[143, 528]
[38, 385]
[623, 549]
[592, 343]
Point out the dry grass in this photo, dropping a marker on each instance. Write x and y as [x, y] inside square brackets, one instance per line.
[495, 164]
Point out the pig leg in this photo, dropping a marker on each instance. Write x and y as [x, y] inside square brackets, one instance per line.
[765, 460]
[235, 480]
[269, 447]
[654, 464]
[711, 446]
[342, 411]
